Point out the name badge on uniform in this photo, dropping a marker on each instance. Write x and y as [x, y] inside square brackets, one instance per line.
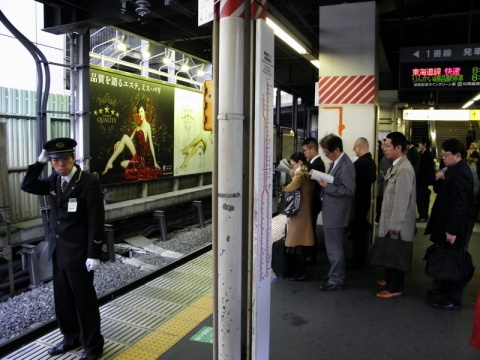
[72, 205]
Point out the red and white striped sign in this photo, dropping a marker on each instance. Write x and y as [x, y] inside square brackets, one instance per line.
[232, 8]
[258, 9]
[346, 90]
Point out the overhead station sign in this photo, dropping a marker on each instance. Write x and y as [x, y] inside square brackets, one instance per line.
[440, 53]
[440, 67]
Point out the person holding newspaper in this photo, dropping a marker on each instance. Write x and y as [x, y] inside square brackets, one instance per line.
[337, 205]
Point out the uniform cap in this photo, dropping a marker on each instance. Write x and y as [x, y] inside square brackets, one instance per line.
[60, 148]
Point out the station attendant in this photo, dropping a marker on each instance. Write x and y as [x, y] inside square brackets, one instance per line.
[77, 218]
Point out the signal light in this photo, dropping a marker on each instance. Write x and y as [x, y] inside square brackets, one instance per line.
[208, 105]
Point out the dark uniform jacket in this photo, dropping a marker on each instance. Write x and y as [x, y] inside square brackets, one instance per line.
[74, 235]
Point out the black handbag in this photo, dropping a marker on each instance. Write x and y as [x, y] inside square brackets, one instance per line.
[391, 253]
[445, 262]
[290, 203]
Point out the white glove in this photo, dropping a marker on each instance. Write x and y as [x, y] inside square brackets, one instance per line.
[43, 157]
[92, 264]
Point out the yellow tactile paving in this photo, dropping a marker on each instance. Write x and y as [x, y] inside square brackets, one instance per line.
[194, 314]
[177, 327]
[154, 344]
[137, 354]
[170, 332]
[205, 302]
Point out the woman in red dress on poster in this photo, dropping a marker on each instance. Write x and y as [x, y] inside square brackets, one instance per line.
[140, 145]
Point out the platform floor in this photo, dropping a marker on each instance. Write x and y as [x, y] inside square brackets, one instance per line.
[170, 318]
[352, 323]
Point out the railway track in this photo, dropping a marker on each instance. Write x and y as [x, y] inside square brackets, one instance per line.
[15, 343]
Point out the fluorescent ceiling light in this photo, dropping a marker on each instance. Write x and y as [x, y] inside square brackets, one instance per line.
[476, 98]
[278, 31]
[315, 63]
[121, 46]
[468, 104]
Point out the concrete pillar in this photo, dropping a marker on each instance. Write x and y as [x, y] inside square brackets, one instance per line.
[348, 73]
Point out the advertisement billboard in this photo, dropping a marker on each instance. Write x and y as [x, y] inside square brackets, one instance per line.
[143, 129]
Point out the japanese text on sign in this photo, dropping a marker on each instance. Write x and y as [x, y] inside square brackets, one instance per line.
[114, 81]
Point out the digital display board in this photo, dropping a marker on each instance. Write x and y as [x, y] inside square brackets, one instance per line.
[440, 75]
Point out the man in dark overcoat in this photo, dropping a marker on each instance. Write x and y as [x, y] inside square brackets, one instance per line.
[452, 213]
[77, 218]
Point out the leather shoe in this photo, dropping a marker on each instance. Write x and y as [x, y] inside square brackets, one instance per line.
[89, 357]
[388, 295]
[330, 287]
[382, 283]
[446, 305]
[60, 349]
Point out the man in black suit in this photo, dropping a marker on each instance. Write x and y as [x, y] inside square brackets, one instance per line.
[310, 149]
[77, 218]
[412, 155]
[365, 176]
[425, 177]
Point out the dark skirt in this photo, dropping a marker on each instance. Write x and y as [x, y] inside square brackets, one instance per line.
[296, 250]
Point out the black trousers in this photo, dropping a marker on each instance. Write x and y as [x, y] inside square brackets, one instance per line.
[423, 201]
[76, 308]
[452, 291]
[359, 235]
[311, 251]
[394, 279]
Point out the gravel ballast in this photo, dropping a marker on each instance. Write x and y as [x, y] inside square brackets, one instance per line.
[34, 307]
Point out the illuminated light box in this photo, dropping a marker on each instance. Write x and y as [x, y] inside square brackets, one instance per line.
[441, 115]
[440, 75]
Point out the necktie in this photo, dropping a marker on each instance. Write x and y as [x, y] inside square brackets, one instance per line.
[390, 169]
[331, 167]
[63, 185]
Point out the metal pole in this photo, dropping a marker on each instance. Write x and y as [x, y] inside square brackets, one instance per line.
[5, 204]
[162, 224]
[230, 169]
[199, 206]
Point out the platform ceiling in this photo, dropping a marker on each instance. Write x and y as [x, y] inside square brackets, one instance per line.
[402, 23]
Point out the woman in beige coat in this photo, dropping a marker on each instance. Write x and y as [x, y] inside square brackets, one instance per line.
[299, 228]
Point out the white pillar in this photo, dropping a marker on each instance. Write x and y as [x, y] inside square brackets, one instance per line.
[230, 168]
